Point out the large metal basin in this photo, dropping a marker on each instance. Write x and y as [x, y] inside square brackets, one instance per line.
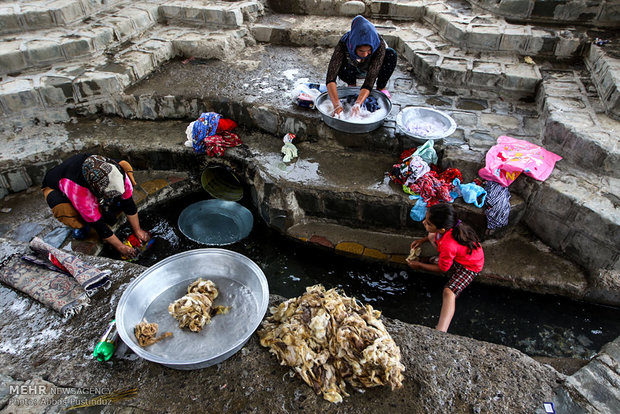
[216, 222]
[241, 283]
[422, 123]
[353, 127]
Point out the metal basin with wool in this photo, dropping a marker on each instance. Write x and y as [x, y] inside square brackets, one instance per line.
[242, 285]
[216, 222]
[352, 127]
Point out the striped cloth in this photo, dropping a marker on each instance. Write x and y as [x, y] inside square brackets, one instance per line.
[498, 205]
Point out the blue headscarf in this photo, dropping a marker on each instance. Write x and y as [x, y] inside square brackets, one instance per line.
[362, 33]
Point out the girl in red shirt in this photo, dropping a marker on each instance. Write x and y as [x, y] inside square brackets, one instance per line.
[460, 254]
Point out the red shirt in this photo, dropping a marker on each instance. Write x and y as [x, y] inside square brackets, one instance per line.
[450, 250]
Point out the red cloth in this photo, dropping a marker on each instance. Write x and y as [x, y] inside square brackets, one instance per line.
[451, 251]
[217, 144]
[449, 175]
[225, 125]
[431, 189]
[407, 153]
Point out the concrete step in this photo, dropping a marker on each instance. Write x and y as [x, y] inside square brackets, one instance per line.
[593, 388]
[455, 22]
[576, 212]
[36, 49]
[434, 60]
[211, 14]
[258, 96]
[576, 126]
[598, 13]
[92, 81]
[512, 261]
[604, 66]
[20, 17]
[331, 185]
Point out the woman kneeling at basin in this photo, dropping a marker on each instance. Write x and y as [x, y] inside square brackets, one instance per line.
[90, 190]
[460, 254]
[360, 54]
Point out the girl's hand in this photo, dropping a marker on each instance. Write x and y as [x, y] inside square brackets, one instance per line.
[126, 251]
[144, 236]
[414, 264]
[417, 243]
[355, 110]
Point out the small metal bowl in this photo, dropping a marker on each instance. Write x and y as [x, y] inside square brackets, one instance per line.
[423, 124]
[216, 222]
[353, 127]
[241, 283]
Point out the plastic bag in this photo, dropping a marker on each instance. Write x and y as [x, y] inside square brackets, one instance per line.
[427, 152]
[304, 94]
[471, 193]
[418, 211]
[510, 157]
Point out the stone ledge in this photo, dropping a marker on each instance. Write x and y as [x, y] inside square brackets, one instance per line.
[43, 14]
[605, 72]
[572, 128]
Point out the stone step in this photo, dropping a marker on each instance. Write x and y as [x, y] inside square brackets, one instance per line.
[434, 59]
[470, 29]
[576, 127]
[337, 186]
[99, 81]
[330, 182]
[593, 388]
[263, 101]
[455, 22]
[597, 13]
[21, 16]
[576, 212]
[512, 261]
[211, 14]
[37, 49]
[604, 67]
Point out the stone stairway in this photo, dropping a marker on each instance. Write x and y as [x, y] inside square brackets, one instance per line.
[155, 60]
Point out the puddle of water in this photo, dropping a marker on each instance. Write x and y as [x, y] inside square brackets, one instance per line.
[535, 324]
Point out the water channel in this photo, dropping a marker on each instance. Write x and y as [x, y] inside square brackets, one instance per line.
[538, 325]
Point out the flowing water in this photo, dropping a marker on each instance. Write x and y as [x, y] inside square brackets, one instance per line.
[540, 325]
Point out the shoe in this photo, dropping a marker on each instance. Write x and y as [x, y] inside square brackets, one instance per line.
[386, 93]
[80, 234]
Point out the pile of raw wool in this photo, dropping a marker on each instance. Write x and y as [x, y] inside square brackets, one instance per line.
[329, 339]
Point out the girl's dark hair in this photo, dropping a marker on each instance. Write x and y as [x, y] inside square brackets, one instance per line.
[443, 216]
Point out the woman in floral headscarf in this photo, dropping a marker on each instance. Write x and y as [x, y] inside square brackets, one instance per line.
[361, 53]
[85, 190]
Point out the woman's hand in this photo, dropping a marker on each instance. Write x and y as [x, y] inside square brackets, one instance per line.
[144, 236]
[355, 110]
[126, 251]
[337, 111]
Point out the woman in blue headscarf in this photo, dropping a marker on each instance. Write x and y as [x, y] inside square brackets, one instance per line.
[360, 54]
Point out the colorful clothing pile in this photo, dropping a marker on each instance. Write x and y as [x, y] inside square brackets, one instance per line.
[210, 134]
[431, 189]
